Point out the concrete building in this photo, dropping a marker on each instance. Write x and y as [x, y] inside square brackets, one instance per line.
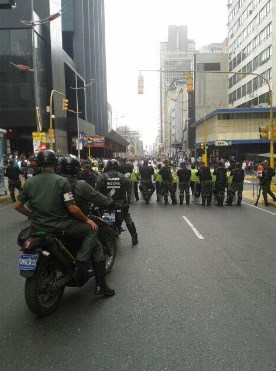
[251, 42]
[175, 54]
[62, 54]
[210, 88]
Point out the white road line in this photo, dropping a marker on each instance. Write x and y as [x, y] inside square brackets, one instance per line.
[261, 209]
[193, 228]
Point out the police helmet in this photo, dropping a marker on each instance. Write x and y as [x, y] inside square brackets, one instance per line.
[112, 165]
[46, 157]
[69, 165]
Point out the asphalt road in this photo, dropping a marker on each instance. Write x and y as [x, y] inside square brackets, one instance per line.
[197, 293]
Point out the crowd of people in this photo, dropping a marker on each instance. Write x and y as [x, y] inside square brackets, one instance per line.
[172, 182]
[58, 191]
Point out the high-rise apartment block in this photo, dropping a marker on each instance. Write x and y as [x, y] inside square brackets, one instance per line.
[176, 55]
[251, 39]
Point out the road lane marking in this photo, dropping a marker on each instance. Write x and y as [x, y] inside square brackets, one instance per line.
[193, 228]
[261, 209]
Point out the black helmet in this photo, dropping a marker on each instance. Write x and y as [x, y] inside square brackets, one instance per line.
[112, 164]
[46, 157]
[69, 165]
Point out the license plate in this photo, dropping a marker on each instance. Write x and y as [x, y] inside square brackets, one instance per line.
[27, 262]
[109, 217]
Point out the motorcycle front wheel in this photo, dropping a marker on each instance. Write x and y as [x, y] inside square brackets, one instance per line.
[42, 294]
[109, 246]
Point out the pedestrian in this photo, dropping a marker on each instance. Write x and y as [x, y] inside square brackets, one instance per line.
[205, 178]
[134, 178]
[13, 173]
[237, 184]
[265, 181]
[146, 186]
[220, 183]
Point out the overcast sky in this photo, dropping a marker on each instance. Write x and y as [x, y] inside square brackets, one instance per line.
[134, 30]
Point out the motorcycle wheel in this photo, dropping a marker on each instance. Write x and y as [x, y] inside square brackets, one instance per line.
[110, 248]
[41, 292]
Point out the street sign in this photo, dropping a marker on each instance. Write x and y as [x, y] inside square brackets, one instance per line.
[223, 143]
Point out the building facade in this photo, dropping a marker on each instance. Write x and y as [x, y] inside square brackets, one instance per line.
[62, 43]
[252, 40]
[176, 56]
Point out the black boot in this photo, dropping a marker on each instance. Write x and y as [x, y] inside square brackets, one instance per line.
[239, 202]
[181, 200]
[203, 203]
[83, 271]
[101, 288]
[229, 203]
[166, 199]
[174, 202]
[188, 200]
[132, 230]
[209, 202]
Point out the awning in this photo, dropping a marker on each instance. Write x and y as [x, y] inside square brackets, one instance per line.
[115, 137]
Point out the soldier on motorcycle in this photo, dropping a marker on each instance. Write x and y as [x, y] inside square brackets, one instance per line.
[116, 185]
[50, 206]
[84, 194]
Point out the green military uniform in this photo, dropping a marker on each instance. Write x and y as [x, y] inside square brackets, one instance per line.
[85, 194]
[48, 195]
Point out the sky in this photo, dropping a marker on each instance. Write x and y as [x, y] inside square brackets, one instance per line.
[134, 30]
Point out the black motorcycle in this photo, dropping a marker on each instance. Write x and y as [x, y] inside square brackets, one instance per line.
[114, 217]
[48, 262]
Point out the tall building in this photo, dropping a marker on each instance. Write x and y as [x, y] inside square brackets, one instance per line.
[175, 54]
[61, 43]
[251, 42]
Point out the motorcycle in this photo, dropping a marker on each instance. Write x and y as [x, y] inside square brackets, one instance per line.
[113, 217]
[48, 261]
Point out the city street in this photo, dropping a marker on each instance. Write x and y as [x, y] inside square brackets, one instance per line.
[197, 293]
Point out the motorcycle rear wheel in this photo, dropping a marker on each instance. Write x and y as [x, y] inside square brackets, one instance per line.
[42, 295]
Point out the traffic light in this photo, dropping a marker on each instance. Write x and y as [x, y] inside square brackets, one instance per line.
[140, 84]
[64, 104]
[202, 146]
[264, 132]
[189, 82]
[206, 147]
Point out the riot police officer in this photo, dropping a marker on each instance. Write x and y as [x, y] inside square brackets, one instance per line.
[184, 176]
[167, 180]
[237, 184]
[13, 173]
[265, 181]
[50, 206]
[114, 184]
[220, 183]
[84, 194]
[147, 188]
[205, 178]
